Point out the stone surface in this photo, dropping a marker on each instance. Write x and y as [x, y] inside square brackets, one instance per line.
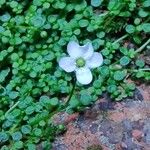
[137, 134]
[109, 125]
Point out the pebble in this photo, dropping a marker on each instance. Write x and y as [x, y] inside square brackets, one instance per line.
[137, 134]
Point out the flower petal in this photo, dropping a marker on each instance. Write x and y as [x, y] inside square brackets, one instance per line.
[87, 50]
[84, 75]
[74, 50]
[95, 61]
[67, 64]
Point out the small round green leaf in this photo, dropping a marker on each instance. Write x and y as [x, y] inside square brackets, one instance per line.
[120, 75]
[124, 60]
[17, 136]
[140, 63]
[96, 3]
[130, 28]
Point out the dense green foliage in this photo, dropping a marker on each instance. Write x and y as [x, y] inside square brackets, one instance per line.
[33, 37]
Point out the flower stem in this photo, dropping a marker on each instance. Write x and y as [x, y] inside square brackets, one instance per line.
[63, 107]
[71, 93]
[120, 39]
[143, 46]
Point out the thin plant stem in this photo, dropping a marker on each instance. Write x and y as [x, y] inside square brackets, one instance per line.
[136, 70]
[11, 108]
[143, 69]
[120, 39]
[71, 93]
[143, 46]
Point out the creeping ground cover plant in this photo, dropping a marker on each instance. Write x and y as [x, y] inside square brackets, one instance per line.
[63, 55]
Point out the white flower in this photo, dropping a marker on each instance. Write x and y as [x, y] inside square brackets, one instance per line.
[81, 59]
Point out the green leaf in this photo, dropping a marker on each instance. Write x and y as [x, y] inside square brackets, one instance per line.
[146, 27]
[31, 146]
[130, 28]
[114, 5]
[46, 5]
[146, 3]
[111, 88]
[37, 132]
[140, 63]
[13, 94]
[74, 102]
[140, 74]
[38, 20]
[54, 101]
[26, 129]
[2, 29]
[43, 34]
[44, 98]
[2, 91]
[18, 144]
[143, 13]
[46, 145]
[131, 86]
[14, 57]
[18, 40]
[6, 17]
[13, 4]
[4, 74]
[16, 112]
[131, 53]
[101, 34]
[3, 137]
[17, 136]
[105, 52]
[137, 21]
[120, 75]
[5, 147]
[83, 23]
[37, 2]
[33, 74]
[96, 3]
[85, 99]
[97, 83]
[29, 110]
[124, 60]
[2, 2]
[104, 70]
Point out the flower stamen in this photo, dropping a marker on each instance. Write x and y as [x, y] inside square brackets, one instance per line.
[80, 62]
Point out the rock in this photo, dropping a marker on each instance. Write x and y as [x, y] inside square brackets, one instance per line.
[116, 133]
[137, 134]
[137, 95]
[106, 105]
[147, 137]
[93, 128]
[117, 126]
[130, 144]
[71, 117]
[105, 126]
[117, 116]
[124, 145]
[95, 147]
[145, 91]
[61, 146]
[127, 125]
[147, 60]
